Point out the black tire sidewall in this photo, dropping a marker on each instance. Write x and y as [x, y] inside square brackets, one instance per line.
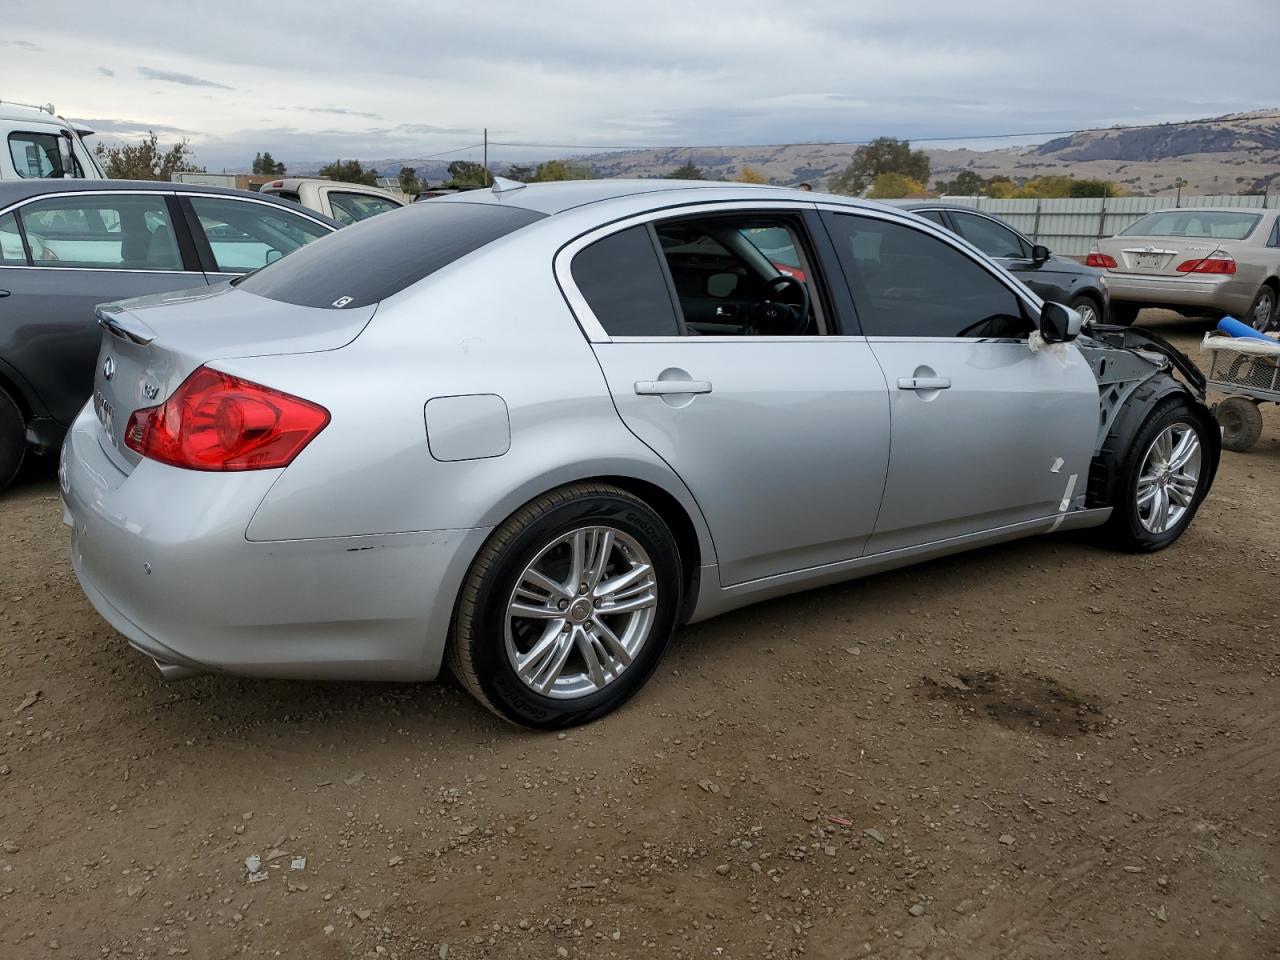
[1271, 318]
[503, 688]
[1130, 527]
[1124, 314]
[1245, 416]
[13, 440]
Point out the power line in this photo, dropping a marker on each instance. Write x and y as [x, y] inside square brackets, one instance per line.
[861, 143]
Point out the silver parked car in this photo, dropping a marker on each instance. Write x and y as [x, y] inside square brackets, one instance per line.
[1196, 260]
[528, 431]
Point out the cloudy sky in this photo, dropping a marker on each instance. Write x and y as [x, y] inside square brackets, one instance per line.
[314, 81]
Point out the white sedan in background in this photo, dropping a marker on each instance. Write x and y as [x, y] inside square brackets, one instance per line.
[347, 203]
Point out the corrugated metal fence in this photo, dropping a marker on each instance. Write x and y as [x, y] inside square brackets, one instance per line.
[1069, 226]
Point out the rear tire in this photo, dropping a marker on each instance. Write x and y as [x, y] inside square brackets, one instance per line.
[1241, 423]
[1151, 476]
[533, 637]
[1264, 311]
[1124, 314]
[13, 439]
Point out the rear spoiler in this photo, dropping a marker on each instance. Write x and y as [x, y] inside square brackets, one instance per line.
[1136, 338]
[123, 324]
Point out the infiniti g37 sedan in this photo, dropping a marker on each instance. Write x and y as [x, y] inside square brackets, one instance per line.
[528, 431]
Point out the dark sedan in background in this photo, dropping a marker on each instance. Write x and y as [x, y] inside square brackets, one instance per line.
[68, 245]
[1051, 278]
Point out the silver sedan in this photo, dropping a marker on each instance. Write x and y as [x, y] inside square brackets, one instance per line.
[527, 432]
[1196, 260]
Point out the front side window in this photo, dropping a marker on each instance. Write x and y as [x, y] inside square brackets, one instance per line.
[351, 207]
[906, 283]
[12, 253]
[993, 239]
[115, 231]
[245, 235]
[39, 156]
[621, 279]
[742, 275]
[1190, 222]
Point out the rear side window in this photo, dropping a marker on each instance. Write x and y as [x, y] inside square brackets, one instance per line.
[377, 258]
[11, 252]
[621, 279]
[113, 231]
[990, 237]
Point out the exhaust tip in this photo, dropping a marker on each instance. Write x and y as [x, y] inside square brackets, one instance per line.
[173, 671]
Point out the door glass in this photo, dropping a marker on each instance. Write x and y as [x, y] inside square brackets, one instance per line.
[245, 235]
[906, 283]
[990, 237]
[120, 231]
[621, 279]
[741, 276]
[934, 215]
[11, 252]
[39, 155]
[350, 207]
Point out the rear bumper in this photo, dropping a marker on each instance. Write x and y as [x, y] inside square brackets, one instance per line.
[1225, 294]
[161, 554]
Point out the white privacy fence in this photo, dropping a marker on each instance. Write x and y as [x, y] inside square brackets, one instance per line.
[1069, 226]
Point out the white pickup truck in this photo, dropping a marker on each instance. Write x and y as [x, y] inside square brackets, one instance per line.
[38, 144]
[344, 202]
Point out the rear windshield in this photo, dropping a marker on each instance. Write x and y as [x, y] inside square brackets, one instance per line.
[1209, 224]
[377, 258]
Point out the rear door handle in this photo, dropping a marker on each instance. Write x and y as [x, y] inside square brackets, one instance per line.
[924, 383]
[666, 388]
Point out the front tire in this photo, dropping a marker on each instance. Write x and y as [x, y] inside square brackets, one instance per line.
[1263, 312]
[1165, 475]
[1088, 309]
[568, 607]
[13, 439]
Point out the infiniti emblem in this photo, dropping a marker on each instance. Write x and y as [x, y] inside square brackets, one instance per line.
[108, 368]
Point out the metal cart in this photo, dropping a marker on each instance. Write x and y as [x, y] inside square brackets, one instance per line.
[1249, 371]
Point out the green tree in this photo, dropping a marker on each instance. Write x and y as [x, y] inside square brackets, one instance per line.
[522, 172]
[264, 163]
[562, 170]
[467, 173]
[966, 184]
[145, 160]
[894, 186]
[749, 174]
[349, 171]
[687, 171]
[1096, 188]
[881, 155]
[1000, 188]
[409, 181]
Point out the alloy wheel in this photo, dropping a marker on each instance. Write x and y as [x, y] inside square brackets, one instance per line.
[1169, 478]
[1263, 309]
[580, 612]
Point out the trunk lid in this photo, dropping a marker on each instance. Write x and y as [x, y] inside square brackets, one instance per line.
[151, 344]
[1160, 256]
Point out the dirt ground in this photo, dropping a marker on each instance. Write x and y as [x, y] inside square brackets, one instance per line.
[1037, 750]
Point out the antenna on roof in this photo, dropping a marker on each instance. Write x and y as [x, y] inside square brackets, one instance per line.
[503, 185]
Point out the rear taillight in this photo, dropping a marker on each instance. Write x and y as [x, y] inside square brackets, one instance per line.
[1096, 259]
[1214, 264]
[215, 421]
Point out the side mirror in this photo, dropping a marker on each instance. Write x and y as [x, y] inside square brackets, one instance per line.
[1059, 324]
[1040, 253]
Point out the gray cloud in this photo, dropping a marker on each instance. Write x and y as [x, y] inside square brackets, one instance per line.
[106, 72]
[21, 44]
[341, 111]
[186, 79]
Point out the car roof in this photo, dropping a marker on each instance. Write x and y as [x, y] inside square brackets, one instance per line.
[11, 191]
[552, 198]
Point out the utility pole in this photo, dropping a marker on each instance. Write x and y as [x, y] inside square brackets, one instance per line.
[487, 179]
[1179, 183]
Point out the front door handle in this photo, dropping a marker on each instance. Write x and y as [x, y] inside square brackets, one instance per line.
[667, 388]
[924, 383]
